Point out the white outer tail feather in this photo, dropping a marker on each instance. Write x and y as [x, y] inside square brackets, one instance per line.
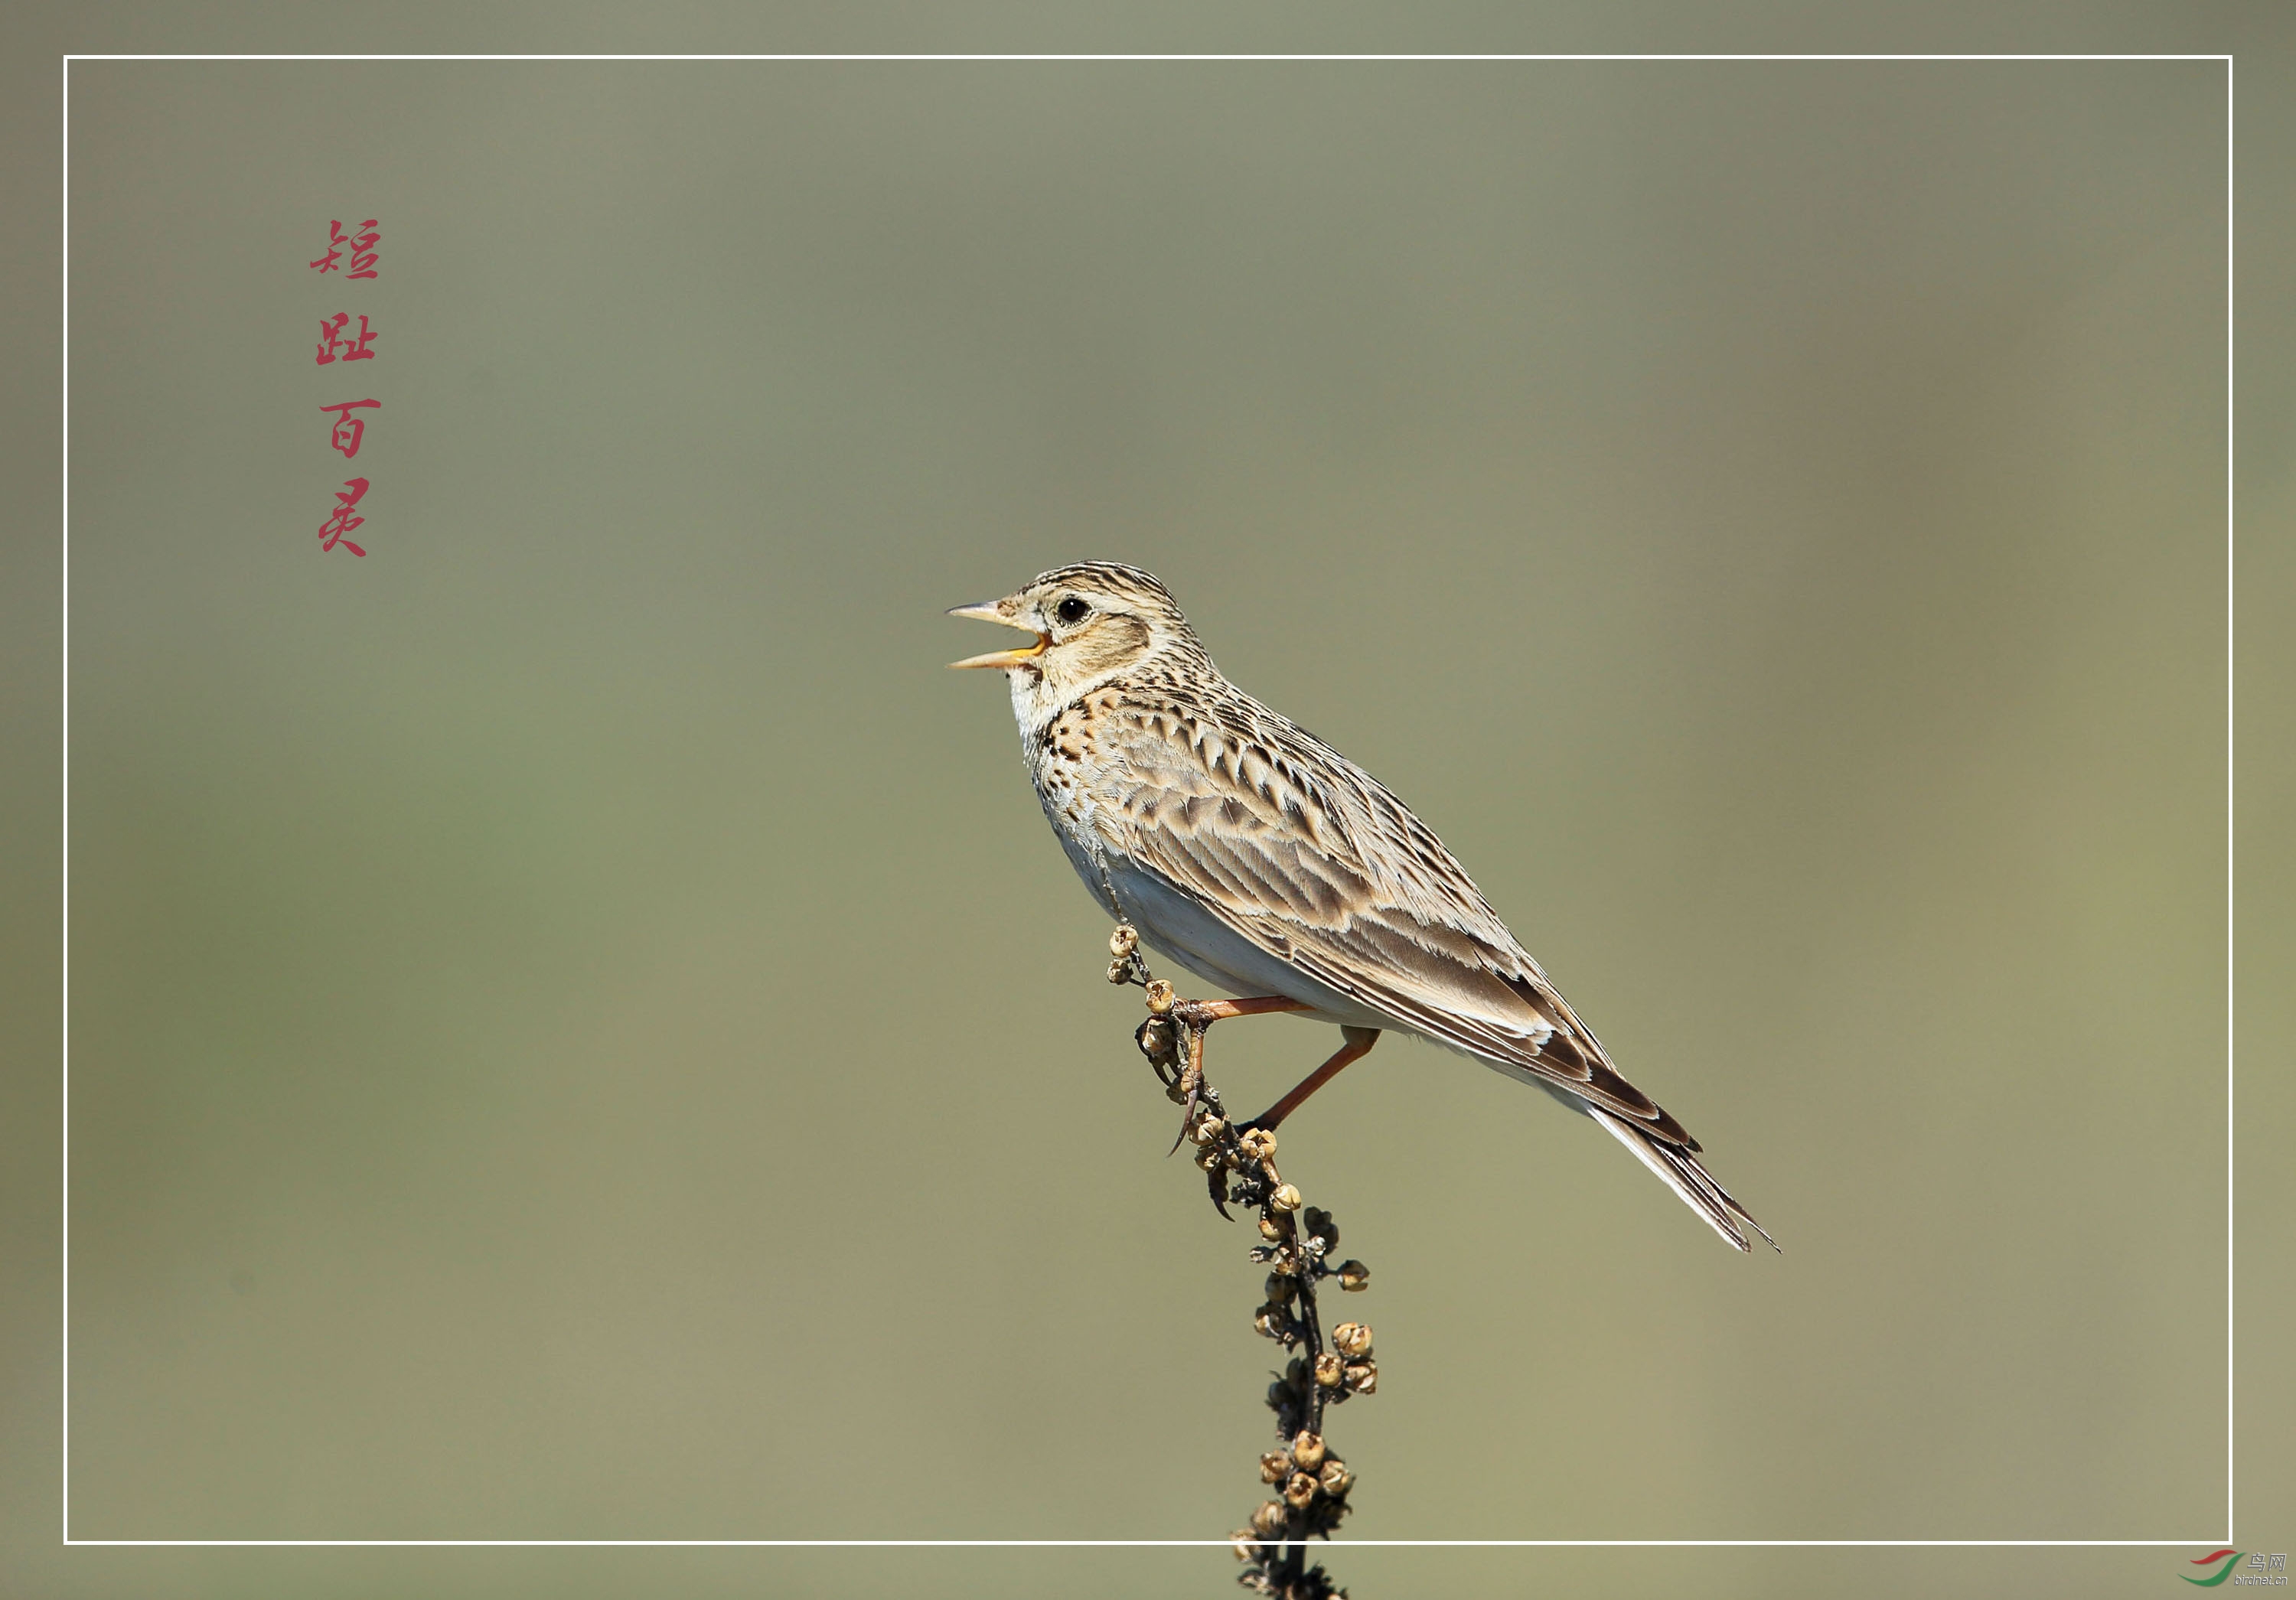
[1680, 1171]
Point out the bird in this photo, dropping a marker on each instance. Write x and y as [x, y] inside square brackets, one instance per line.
[1259, 857]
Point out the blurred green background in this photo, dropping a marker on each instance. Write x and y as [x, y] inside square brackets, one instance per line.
[579, 1029]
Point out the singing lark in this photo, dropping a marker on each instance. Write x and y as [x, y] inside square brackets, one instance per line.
[1261, 859]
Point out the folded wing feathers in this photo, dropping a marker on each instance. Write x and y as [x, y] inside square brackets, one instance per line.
[1399, 927]
[1563, 1053]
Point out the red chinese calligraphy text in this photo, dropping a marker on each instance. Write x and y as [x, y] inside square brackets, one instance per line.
[332, 531]
[330, 339]
[363, 250]
[349, 430]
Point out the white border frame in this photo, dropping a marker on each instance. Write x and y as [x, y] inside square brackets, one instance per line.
[1169, 1543]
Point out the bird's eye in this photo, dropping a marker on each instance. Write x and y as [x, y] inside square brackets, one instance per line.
[1071, 611]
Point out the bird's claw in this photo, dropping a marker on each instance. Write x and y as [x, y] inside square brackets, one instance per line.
[1187, 1119]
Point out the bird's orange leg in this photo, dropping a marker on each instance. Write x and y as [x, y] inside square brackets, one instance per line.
[1196, 1016]
[1199, 1013]
[1359, 1041]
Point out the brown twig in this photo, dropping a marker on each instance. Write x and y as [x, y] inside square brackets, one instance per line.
[1309, 1485]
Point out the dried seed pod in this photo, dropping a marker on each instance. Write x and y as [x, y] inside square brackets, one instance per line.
[1335, 1478]
[1281, 1287]
[1269, 1228]
[1363, 1378]
[1354, 1275]
[1209, 1129]
[1352, 1340]
[1244, 1542]
[1209, 1159]
[1269, 1518]
[1124, 940]
[1259, 1143]
[1331, 1372]
[1273, 1322]
[1155, 1039]
[1307, 1451]
[1274, 1467]
[1286, 1198]
[1160, 997]
[1299, 1490]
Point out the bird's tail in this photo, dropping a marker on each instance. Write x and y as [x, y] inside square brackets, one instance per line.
[1682, 1173]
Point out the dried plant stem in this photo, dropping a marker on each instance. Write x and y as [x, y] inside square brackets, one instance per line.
[1309, 1483]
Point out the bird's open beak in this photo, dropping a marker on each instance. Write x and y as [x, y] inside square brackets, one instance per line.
[987, 612]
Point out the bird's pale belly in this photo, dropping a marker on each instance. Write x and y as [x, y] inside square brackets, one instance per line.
[1180, 929]
[1176, 926]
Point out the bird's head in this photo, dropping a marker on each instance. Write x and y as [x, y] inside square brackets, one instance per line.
[1092, 621]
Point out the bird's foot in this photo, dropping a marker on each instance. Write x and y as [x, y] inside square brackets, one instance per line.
[1189, 1090]
[1187, 1123]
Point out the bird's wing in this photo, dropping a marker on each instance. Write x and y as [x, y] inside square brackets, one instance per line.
[1305, 855]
